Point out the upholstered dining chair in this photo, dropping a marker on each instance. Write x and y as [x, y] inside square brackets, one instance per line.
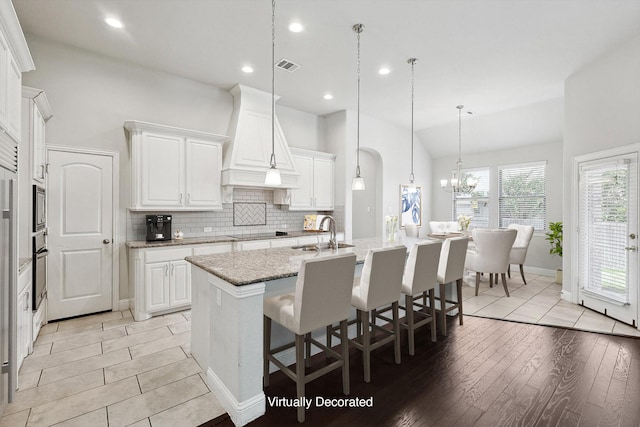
[420, 278]
[379, 285]
[491, 254]
[451, 269]
[520, 247]
[322, 296]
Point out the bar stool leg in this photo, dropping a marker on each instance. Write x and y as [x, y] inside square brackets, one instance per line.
[344, 343]
[432, 304]
[408, 301]
[300, 380]
[459, 291]
[443, 307]
[266, 349]
[477, 282]
[329, 330]
[396, 331]
[366, 342]
[307, 349]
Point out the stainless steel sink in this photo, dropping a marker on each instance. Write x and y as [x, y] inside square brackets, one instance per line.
[321, 246]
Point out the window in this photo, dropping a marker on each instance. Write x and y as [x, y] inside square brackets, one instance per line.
[475, 204]
[522, 198]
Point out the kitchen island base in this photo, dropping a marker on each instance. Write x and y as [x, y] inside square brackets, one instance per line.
[227, 344]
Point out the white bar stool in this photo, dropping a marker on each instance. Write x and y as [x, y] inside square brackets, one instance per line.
[451, 269]
[321, 297]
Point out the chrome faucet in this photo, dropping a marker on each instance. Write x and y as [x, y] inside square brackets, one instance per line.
[332, 230]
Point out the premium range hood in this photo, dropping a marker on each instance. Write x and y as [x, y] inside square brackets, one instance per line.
[246, 157]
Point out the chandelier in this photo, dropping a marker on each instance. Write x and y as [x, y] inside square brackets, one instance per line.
[459, 182]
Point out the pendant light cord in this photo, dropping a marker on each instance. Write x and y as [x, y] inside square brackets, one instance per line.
[358, 29]
[272, 162]
[412, 61]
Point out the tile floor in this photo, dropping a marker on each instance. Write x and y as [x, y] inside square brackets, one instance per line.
[538, 302]
[107, 370]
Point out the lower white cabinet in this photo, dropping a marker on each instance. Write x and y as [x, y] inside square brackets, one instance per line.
[24, 315]
[160, 278]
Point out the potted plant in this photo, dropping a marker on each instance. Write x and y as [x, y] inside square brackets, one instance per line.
[554, 237]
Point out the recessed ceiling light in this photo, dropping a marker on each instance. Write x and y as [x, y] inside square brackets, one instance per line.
[328, 96]
[114, 22]
[247, 69]
[384, 71]
[295, 27]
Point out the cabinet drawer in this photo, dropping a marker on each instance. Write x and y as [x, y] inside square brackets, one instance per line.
[213, 249]
[283, 243]
[164, 255]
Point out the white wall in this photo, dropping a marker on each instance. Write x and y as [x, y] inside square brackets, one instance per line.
[538, 254]
[365, 210]
[91, 96]
[393, 144]
[602, 111]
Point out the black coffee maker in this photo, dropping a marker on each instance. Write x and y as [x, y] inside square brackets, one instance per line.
[158, 227]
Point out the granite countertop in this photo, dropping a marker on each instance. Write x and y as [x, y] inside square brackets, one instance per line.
[246, 267]
[23, 263]
[138, 244]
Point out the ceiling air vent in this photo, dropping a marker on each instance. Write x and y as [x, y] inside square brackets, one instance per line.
[285, 64]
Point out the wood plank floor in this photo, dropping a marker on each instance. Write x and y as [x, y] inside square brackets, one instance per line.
[485, 373]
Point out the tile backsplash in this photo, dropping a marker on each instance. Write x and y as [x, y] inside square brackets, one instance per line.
[192, 224]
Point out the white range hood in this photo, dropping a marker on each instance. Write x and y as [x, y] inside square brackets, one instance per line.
[246, 157]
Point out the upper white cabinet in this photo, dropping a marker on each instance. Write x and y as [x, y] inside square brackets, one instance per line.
[14, 60]
[174, 169]
[36, 111]
[316, 182]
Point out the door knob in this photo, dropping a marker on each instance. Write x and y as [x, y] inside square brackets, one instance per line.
[106, 241]
[631, 248]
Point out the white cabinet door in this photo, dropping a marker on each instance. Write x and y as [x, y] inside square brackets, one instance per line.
[38, 145]
[162, 182]
[283, 243]
[156, 277]
[4, 67]
[203, 168]
[180, 289]
[253, 244]
[14, 99]
[302, 198]
[323, 183]
[24, 324]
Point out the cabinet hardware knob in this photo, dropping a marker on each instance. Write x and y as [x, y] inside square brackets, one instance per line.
[106, 241]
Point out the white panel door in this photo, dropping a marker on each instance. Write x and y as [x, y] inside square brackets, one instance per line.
[302, 198]
[80, 220]
[38, 144]
[204, 163]
[608, 236]
[323, 178]
[180, 289]
[156, 277]
[162, 170]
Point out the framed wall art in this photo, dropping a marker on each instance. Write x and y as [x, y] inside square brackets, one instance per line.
[410, 205]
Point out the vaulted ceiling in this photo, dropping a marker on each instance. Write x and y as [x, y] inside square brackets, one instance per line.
[491, 55]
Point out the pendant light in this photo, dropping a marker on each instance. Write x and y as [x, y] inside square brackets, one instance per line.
[412, 61]
[273, 174]
[458, 182]
[358, 181]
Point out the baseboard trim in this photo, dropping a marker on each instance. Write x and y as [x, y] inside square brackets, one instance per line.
[537, 270]
[124, 304]
[241, 413]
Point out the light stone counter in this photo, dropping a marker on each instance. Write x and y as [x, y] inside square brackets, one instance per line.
[247, 267]
[227, 316]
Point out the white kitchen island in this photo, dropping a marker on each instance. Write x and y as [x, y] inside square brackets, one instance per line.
[227, 316]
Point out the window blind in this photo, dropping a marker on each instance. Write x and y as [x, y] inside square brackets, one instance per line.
[475, 204]
[522, 195]
[604, 202]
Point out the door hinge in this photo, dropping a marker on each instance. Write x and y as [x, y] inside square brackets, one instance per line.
[5, 368]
